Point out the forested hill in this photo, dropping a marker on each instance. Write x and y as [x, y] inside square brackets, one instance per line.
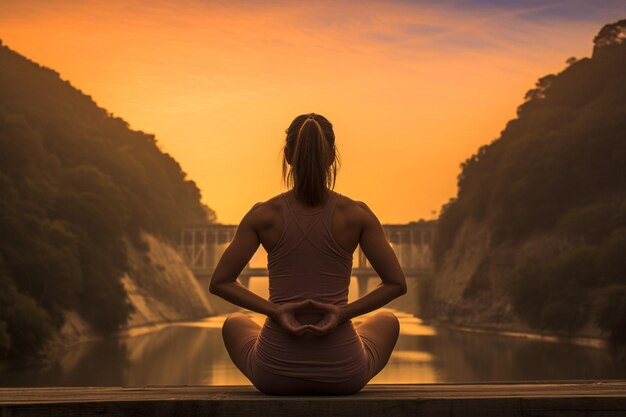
[558, 169]
[75, 182]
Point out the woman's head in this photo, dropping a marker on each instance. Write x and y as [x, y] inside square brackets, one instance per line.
[310, 159]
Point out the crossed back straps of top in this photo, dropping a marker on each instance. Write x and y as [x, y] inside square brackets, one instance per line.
[323, 215]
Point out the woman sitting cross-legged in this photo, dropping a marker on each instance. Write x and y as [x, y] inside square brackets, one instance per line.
[308, 344]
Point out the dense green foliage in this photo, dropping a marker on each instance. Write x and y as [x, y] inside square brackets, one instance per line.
[75, 184]
[559, 167]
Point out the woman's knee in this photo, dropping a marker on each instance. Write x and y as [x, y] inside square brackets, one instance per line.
[237, 325]
[385, 322]
[232, 317]
[391, 319]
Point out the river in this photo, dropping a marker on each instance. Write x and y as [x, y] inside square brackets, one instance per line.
[192, 353]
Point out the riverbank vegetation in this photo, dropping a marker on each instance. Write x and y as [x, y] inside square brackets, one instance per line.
[75, 182]
[559, 168]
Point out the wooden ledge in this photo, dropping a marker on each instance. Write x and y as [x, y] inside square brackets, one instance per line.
[558, 398]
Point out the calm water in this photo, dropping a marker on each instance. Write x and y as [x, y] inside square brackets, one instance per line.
[192, 353]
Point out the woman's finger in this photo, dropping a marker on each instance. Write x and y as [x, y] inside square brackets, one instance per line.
[298, 304]
[328, 323]
[320, 330]
[303, 303]
[320, 305]
[297, 329]
[293, 325]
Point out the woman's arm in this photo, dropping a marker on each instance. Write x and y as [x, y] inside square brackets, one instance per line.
[235, 258]
[379, 253]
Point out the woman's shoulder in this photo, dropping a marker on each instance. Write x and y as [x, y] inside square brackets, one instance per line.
[264, 212]
[270, 202]
[353, 210]
[349, 203]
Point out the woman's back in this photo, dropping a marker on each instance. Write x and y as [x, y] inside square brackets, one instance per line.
[306, 262]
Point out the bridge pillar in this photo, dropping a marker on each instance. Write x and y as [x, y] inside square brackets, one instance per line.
[362, 280]
[409, 261]
[216, 245]
[244, 280]
[362, 260]
[205, 261]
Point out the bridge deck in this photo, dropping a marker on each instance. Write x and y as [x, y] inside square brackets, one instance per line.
[571, 398]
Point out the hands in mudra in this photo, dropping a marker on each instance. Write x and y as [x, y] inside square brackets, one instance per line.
[285, 315]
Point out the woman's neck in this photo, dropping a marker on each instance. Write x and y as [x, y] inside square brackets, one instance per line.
[301, 205]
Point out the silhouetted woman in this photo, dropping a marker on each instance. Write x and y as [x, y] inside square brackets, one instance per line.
[308, 344]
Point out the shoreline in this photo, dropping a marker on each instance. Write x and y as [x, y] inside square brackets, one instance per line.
[57, 348]
[512, 331]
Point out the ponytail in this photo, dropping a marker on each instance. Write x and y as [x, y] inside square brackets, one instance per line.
[312, 158]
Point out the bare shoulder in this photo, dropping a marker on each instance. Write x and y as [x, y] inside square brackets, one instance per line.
[263, 213]
[356, 212]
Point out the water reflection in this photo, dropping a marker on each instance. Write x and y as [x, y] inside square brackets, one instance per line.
[193, 353]
[460, 356]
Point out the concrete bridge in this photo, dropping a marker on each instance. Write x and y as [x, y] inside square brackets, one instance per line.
[202, 246]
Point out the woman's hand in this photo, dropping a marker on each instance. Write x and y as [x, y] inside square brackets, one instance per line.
[332, 318]
[284, 315]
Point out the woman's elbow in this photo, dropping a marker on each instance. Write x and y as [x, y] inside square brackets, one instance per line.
[213, 287]
[401, 287]
[218, 286]
[398, 288]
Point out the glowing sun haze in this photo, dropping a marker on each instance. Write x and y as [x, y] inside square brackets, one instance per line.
[412, 88]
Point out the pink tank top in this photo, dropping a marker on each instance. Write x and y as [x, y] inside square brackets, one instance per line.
[307, 262]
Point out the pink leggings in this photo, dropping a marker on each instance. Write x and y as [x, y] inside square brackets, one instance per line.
[378, 332]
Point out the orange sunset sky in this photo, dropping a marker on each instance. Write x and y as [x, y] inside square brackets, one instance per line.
[412, 88]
